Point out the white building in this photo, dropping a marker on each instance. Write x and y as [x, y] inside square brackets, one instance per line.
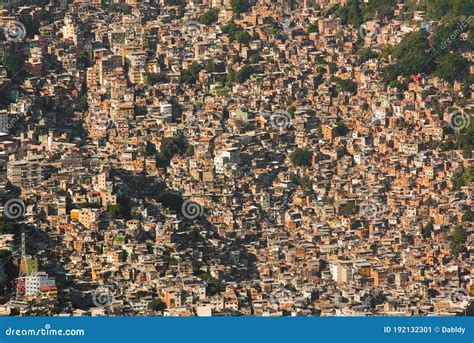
[227, 156]
[36, 281]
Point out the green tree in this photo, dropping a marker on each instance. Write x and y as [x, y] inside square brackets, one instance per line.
[15, 311]
[236, 32]
[378, 9]
[171, 146]
[354, 15]
[446, 9]
[452, 67]
[427, 229]
[12, 62]
[83, 58]
[156, 305]
[301, 157]
[354, 18]
[413, 54]
[242, 37]
[254, 57]
[213, 67]
[125, 207]
[241, 76]
[468, 216]
[341, 128]
[191, 74]
[305, 182]
[348, 209]
[115, 211]
[366, 54]
[170, 261]
[291, 111]
[239, 6]
[209, 17]
[82, 104]
[458, 181]
[448, 36]
[190, 150]
[214, 286]
[313, 28]
[458, 239]
[180, 3]
[344, 85]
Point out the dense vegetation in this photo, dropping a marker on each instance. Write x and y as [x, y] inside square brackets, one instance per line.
[458, 240]
[111, 7]
[191, 74]
[344, 85]
[356, 12]
[209, 17]
[419, 53]
[463, 140]
[13, 61]
[239, 6]
[462, 179]
[170, 147]
[236, 33]
[301, 157]
[428, 229]
[240, 76]
[436, 53]
[468, 216]
[348, 209]
[439, 9]
[214, 286]
[366, 54]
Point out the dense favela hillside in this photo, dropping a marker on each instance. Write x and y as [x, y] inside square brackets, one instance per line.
[236, 157]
